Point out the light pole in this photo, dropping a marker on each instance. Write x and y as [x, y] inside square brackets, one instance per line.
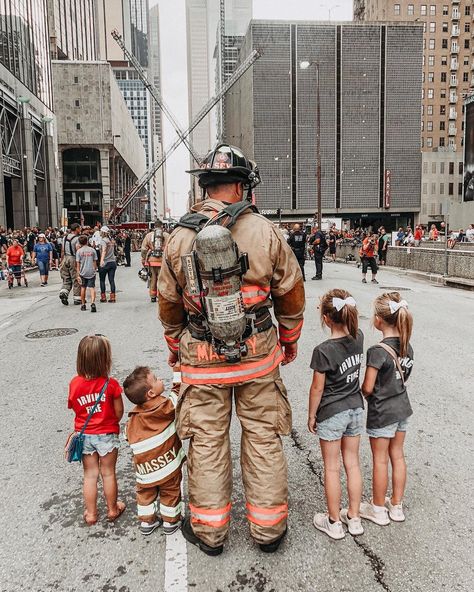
[114, 196]
[277, 159]
[304, 66]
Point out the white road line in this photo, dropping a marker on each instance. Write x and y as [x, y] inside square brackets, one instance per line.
[176, 560]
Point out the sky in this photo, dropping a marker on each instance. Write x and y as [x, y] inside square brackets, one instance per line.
[174, 70]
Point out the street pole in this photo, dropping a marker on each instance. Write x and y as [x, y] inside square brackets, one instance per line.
[281, 186]
[318, 144]
[446, 255]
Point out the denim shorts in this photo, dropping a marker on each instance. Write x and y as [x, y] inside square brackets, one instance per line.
[345, 423]
[101, 443]
[88, 282]
[388, 431]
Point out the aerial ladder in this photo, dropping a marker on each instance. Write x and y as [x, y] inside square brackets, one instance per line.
[182, 135]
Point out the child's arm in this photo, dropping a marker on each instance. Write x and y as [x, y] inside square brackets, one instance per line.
[118, 407]
[315, 393]
[369, 381]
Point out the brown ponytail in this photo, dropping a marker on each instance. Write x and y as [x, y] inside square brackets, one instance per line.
[401, 319]
[348, 316]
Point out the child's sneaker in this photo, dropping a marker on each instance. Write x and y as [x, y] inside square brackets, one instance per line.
[83, 307]
[93, 308]
[374, 513]
[354, 525]
[146, 528]
[395, 511]
[170, 527]
[333, 530]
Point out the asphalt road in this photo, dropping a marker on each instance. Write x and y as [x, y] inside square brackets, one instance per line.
[45, 545]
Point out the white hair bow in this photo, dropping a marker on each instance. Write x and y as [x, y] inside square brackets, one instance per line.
[396, 306]
[339, 303]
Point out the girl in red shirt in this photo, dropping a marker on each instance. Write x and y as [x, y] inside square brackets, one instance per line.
[101, 443]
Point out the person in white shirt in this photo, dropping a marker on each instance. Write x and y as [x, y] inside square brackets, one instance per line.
[470, 234]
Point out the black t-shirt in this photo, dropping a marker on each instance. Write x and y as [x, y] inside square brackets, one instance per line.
[340, 360]
[297, 242]
[389, 402]
[322, 246]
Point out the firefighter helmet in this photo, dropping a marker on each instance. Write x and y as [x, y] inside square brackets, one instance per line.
[227, 164]
[143, 274]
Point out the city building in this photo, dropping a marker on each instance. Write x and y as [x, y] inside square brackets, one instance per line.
[28, 194]
[158, 202]
[448, 50]
[73, 29]
[370, 103]
[100, 152]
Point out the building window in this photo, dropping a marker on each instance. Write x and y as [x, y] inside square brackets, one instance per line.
[429, 110]
[78, 126]
[430, 93]
[422, 93]
[451, 189]
[396, 9]
[465, 77]
[442, 93]
[422, 126]
[431, 60]
[411, 10]
[441, 165]
[430, 76]
[425, 167]
[460, 168]
[451, 168]
[433, 168]
[441, 144]
[76, 79]
[429, 142]
[432, 27]
[441, 188]
[445, 27]
[442, 125]
[423, 10]
[444, 60]
[431, 44]
[433, 188]
[433, 10]
[429, 126]
[467, 10]
[466, 43]
[423, 77]
[76, 103]
[459, 188]
[425, 188]
[466, 61]
[467, 28]
[444, 43]
[443, 76]
[442, 109]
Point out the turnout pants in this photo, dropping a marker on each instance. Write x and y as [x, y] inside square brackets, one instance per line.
[203, 415]
[169, 505]
[68, 276]
[154, 273]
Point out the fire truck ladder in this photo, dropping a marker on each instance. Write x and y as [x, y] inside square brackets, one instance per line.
[155, 93]
[140, 183]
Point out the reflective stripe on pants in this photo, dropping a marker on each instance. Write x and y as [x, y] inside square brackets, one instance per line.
[266, 516]
[209, 516]
[169, 504]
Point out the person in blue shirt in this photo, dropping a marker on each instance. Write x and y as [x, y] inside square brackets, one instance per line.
[43, 255]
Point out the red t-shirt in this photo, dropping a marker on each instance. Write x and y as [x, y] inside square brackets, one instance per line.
[83, 393]
[14, 255]
[418, 234]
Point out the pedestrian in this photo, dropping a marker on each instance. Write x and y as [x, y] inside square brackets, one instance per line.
[127, 249]
[96, 239]
[212, 381]
[69, 246]
[43, 255]
[400, 237]
[383, 245]
[368, 252]
[332, 244]
[389, 364]
[86, 267]
[470, 234]
[101, 442]
[336, 410]
[297, 242]
[15, 258]
[151, 433]
[152, 249]
[319, 244]
[30, 242]
[434, 233]
[108, 265]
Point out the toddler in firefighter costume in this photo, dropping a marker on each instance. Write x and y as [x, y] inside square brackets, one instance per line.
[213, 373]
[157, 451]
[152, 254]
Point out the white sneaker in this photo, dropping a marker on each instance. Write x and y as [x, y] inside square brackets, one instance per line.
[395, 511]
[354, 525]
[369, 512]
[335, 530]
[170, 527]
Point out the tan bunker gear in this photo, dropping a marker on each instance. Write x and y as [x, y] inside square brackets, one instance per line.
[209, 382]
[152, 256]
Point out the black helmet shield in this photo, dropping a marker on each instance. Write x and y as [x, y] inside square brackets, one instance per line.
[227, 164]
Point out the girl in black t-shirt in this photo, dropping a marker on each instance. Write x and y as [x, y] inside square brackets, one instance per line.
[389, 364]
[336, 410]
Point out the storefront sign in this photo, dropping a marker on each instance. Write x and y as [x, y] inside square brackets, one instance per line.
[11, 166]
[388, 188]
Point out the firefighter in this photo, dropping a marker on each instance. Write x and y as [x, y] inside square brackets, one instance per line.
[152, 254]
[213, 374]
[68, 266]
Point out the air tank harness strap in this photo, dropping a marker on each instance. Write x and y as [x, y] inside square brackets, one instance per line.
[257, 322]
[226, 217]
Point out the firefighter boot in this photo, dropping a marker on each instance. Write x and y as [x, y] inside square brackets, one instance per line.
[189, 535]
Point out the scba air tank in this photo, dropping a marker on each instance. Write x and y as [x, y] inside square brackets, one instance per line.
[221, 269]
